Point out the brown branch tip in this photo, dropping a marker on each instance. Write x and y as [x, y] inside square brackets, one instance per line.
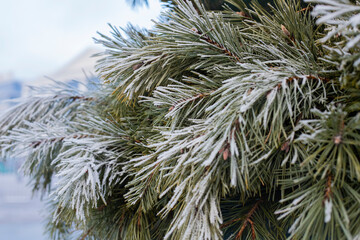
[248, 220]
[216, 44]
[328, 191]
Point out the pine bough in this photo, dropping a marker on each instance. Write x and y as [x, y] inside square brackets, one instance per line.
[238, 124]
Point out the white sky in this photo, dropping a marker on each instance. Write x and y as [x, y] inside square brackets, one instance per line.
[38, 37]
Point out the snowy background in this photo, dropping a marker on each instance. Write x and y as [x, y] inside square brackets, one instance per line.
[40, 40]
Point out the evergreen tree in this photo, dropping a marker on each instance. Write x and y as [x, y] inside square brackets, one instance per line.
[235, 124]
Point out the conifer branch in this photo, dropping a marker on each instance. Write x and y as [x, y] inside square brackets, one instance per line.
[229, 108]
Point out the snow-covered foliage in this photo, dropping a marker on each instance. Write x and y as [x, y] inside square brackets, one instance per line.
[236, 124]
[342, 20]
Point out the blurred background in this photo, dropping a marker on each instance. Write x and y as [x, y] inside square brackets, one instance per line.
[42, 40]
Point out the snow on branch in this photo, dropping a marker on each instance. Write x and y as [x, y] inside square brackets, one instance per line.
[343, 17]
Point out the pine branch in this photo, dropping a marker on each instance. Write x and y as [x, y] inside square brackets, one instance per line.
[206, 126]
[341, 18]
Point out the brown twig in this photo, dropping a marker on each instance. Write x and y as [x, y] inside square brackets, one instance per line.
[75, 97]
[268, 136]
[230, 222]
[328, 191]
[102, 207]
[216, 44]
[121, 221]
[131, 139]
[81, 98]
[139, 217]
[253, 234]
[86, 234]
[248, 220]
[298, 119]
[306, 8]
